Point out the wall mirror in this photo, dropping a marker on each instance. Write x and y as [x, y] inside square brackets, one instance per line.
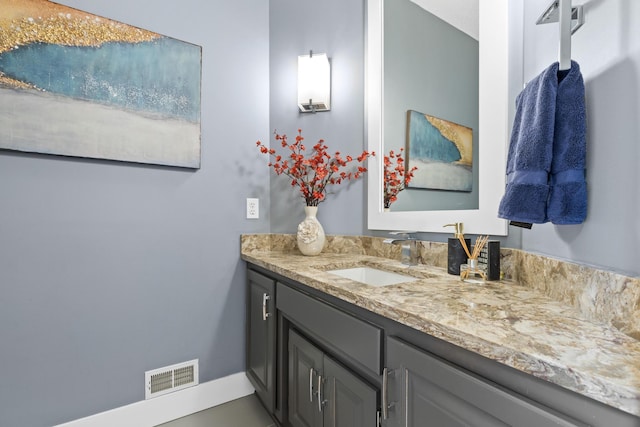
[478, 209]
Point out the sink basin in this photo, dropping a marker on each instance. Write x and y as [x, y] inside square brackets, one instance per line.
[372, 276]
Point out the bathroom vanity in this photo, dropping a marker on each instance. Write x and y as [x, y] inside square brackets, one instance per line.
[326, 350]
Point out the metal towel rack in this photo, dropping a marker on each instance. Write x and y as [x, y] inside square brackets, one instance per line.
[571, 19]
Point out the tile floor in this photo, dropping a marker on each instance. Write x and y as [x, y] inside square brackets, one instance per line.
[243, 412]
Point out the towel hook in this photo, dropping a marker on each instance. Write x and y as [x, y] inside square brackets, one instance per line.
[570, 19]
[564, 51]
[552, 15]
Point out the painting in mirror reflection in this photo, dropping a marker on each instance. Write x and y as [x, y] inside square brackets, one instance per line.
[441, 153]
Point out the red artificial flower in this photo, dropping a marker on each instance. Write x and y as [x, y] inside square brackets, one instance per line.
[315, 171]
[396, 178]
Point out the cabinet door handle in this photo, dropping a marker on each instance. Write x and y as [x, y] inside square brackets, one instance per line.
[311, 385]
[385, 393]
[320, 402]
[265, 298]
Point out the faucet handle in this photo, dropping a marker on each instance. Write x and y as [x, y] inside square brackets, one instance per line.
[409, 235]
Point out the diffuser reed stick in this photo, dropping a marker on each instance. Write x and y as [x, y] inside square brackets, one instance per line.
[464, 245]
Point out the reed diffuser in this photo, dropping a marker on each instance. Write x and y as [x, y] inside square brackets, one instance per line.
[471, 269]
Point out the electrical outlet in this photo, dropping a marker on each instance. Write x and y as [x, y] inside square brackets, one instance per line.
[253, 208]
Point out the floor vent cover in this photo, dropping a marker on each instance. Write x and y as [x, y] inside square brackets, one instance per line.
[170, 378]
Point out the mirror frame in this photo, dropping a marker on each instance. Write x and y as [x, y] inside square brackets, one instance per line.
[492, 132]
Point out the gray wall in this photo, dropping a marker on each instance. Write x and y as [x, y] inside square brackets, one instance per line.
[111, 269]
[607, 48]
[335, 27]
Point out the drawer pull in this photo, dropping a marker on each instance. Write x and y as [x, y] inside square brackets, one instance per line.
[265, 313]
[320, 401]
[385, 393]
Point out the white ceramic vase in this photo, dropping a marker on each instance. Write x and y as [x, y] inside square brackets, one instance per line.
[310, 235]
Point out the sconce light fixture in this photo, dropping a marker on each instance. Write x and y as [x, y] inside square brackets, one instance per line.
[314, 83]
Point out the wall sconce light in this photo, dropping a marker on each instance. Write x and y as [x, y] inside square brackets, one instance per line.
[314, 83]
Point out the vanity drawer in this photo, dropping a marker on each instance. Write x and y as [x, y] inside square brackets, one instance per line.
[356, 340]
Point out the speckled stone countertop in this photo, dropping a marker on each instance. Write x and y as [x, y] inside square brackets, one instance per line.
[512, 324]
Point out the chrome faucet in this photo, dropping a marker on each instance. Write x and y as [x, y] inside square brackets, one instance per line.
[409, 242]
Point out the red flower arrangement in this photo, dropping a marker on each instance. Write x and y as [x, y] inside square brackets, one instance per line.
[313, 174]
[396, 177]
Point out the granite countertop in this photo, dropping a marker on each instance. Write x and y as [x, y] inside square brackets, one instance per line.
[511, 324]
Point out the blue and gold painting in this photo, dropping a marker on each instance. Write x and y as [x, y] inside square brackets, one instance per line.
[441, 150]
[76, 84]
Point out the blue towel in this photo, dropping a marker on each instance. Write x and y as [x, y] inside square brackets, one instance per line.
[545, 163]
[531, 151]
[568, 196]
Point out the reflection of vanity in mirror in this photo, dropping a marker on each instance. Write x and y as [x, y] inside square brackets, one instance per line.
[417, 62]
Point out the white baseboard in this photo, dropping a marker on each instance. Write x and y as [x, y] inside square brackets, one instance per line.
[161, 409]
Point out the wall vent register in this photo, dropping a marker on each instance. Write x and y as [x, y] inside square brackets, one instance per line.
[170, 378]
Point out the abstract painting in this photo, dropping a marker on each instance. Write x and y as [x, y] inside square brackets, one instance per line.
[442, 151]
[76, 84]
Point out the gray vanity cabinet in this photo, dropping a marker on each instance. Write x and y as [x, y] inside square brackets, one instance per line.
[422, 390]
[319, 361]
[261, 336]
[322, 393]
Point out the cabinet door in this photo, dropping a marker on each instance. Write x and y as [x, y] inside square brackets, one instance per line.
[426, 391]
[348, 401]
[261, 336]
[305, 369]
